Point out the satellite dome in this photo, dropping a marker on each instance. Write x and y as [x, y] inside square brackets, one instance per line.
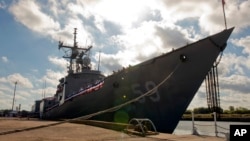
[86, 61]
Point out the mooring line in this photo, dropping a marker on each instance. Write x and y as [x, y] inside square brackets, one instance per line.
[30, 128]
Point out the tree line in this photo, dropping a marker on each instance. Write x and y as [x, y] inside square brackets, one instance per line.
[230, 110]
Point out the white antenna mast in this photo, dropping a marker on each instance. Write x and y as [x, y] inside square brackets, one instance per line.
[44, 89]
[99, 61]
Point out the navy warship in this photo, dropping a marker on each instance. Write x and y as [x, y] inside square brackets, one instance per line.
[159, 89]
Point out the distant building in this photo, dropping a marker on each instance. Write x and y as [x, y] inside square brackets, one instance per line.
[46, 103]
[36, 108]
[13, 113]
[1, 113]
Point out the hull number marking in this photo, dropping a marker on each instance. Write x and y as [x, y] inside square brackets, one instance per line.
[140, 90]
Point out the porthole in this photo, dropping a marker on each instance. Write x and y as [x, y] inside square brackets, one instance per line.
[183, 58]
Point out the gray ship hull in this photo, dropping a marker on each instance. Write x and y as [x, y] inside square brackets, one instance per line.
[185, 69]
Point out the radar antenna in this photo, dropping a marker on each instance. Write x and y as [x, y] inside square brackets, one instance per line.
[76, 61]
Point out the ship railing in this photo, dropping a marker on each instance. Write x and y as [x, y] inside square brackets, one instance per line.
[96, 86]
[52, 107]
[217, 127]
[88, 89]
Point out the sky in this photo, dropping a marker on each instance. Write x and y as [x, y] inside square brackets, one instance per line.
[125, 32]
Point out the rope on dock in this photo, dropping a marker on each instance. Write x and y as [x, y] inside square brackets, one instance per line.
[115, 108]
[30, 128]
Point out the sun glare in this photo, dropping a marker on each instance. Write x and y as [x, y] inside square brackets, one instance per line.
[123, 12]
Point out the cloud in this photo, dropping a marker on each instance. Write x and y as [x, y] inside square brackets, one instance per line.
[236, 83]
[148, 40]
[39, 92]
[109, 63]
[122, 12]
[186, 9]
[30, 15]
[129, 32]
[234, 91]
[235, 66]
[244, 43]
[236, 8]
[62, 63]
[232, 63]
[4, 88]
[232, 98]
[52, 77]
[5, 101]
[209, 13]
[169, 36]
[2, 5]
[3, 79]
[129, 48]
[26, 93]
[5, 59]
[214, 21]
[150, 15]
[148, 33]
[23, 81]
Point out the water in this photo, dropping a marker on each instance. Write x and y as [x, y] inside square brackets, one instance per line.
[206, 127]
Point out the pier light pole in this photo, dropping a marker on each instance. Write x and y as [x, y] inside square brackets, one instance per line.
[14, 96]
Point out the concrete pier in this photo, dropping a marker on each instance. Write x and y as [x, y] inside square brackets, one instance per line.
[77, 132]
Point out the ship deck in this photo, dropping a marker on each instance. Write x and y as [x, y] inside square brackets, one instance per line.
[77, 132]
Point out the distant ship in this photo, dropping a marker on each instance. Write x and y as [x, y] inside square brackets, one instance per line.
[159, 89]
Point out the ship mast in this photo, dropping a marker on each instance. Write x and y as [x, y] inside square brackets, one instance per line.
[77, 63]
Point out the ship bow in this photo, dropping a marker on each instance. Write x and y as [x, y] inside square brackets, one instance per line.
[220, 39]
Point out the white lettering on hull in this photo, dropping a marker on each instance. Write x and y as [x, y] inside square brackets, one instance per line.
[149, 85]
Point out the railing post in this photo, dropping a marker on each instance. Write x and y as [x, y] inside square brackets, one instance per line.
[194, 131]
[193, 121]
[215, 124]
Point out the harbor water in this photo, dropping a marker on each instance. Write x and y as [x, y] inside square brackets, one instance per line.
[205, 127]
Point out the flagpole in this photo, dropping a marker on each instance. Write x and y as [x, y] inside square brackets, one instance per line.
[223, 5]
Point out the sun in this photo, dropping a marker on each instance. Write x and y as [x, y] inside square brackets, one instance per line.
[121, 11]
